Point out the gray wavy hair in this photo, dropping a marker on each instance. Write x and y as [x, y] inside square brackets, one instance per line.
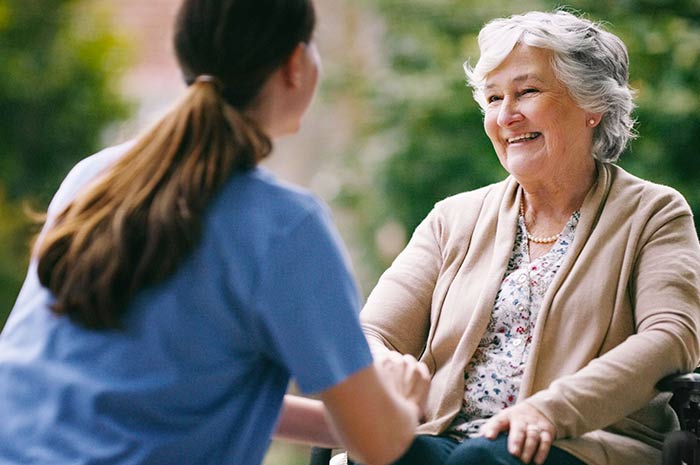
[591, 62]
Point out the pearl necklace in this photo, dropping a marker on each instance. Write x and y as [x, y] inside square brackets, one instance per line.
[535, 239]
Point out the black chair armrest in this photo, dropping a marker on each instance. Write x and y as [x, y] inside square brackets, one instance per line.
[680, 382]
[320, 456]
[685, 400]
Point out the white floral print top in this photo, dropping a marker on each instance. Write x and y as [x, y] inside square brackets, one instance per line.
[492, 377]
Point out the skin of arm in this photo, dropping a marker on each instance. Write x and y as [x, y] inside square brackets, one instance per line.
[306, 421]
[373, 413]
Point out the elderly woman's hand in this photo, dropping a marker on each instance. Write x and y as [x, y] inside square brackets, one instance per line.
[530, 434]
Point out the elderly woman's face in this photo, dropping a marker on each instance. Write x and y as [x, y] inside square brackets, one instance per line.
[536, 128]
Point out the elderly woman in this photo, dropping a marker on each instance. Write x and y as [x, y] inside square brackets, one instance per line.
[548, 305]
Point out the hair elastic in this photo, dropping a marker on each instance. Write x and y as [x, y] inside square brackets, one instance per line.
[210, 79]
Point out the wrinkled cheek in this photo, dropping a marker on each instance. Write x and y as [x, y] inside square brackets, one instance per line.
[492, 133]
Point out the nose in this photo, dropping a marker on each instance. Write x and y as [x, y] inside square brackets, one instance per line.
[509, 113]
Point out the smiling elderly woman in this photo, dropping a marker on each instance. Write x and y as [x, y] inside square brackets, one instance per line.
[548, 305]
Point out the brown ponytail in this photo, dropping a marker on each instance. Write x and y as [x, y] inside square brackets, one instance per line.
[136, 223]
[133, 226]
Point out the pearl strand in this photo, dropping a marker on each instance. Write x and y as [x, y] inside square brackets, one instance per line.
[535, 239]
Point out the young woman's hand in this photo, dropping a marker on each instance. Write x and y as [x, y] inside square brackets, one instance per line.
[530, 434]
[374, 413]
[406, 375]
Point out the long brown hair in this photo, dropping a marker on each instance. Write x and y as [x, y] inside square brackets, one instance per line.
[133, 225]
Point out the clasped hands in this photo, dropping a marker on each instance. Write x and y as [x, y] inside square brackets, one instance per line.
[530, 433]
[407, 376]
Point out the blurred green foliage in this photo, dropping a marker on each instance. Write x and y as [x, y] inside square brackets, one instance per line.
[424, 136]
[61, 64]
[14, 231]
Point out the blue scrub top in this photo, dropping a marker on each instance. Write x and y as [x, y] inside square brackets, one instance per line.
[199, 372]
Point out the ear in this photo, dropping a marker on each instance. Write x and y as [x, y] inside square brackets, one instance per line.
[292, 68]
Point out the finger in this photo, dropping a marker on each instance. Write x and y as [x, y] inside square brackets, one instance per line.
[423, 382]
[516, 438]
[409, 378]
[495, 425]
[423, 370]
[419, 372]
[531, 443]
[384, 362]
[545, 446]
[392, 370]
[408, 364]
[415, 371]
[415, 381]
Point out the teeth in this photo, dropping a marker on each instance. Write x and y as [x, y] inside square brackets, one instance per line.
[522, 137]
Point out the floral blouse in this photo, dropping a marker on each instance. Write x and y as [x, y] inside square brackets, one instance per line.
[492, 377]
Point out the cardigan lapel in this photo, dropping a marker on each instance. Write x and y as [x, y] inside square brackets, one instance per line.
[590, 214]
[505, 208]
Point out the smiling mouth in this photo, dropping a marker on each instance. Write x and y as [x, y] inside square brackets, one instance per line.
[524, 137]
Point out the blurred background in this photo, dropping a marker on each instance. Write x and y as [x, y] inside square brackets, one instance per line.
[393, 129]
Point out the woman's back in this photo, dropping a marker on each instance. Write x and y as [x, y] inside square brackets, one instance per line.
[200, 367]
[169, 302]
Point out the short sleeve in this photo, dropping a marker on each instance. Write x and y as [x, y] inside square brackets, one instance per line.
[308, 305]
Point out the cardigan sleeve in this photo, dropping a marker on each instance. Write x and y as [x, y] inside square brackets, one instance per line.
[397, 313]
[664, 290]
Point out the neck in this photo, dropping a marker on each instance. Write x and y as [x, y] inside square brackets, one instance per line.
[559, 197]
[547, 208]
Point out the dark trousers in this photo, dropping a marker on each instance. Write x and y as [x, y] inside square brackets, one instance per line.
[438, 450]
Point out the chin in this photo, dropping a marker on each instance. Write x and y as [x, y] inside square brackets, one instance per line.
[286, 131]
[521, 166]
[293, 126]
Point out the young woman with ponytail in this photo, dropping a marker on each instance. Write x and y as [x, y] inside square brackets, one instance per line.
[176, 287]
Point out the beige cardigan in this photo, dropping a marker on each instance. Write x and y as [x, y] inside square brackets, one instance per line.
[622, 312]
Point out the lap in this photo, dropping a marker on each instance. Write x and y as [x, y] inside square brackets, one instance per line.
[428, 450]
[438, 450]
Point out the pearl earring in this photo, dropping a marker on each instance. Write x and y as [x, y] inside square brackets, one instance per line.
[591, 122]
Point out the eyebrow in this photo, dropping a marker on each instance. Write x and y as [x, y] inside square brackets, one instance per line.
[519, 78]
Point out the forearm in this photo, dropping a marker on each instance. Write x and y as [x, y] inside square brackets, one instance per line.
[611, 387]
[305, 421]
[389, 438]
[664, 296]
[375, 422]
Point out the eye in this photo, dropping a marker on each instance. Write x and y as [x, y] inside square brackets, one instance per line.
[529, 90]
[492, 98]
